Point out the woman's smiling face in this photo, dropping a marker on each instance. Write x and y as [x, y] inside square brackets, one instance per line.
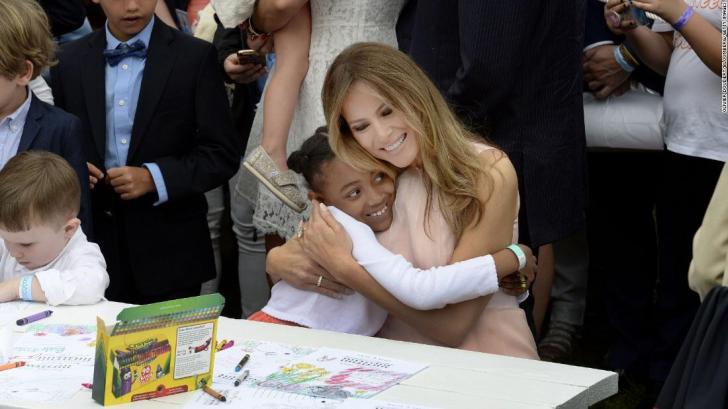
[365, 196]
[378, 127]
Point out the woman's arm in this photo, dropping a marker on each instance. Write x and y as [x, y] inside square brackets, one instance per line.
[272, 15]
[291, 44]
[702, 36]
[291, 264]
[494, 231]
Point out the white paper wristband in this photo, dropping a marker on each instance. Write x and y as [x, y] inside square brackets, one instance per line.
[520, 255]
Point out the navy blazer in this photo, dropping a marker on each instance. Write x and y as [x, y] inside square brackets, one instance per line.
[48, 128]
[511, 70]
[182, 124]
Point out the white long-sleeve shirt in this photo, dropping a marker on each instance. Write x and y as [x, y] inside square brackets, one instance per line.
[418, 288]
[76, 276]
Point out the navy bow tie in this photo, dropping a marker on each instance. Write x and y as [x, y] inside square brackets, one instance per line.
[123, 50]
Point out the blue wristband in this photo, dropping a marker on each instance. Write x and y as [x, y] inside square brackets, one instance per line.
[26, 288]
[680, 23]
[627, 67]
[520, 255]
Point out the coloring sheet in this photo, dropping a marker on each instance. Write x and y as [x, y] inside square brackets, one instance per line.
[12, 311]
[339, 374]
[58, 359]
[265, 358]
[264, 398]
[40, 386]
[69, 348]
[259, 398]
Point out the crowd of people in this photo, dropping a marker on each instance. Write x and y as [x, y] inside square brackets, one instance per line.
[415, 170]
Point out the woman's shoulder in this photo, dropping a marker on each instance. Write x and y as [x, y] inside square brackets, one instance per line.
[493, 159]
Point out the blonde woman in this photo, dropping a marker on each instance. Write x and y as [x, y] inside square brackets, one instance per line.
[456, 198]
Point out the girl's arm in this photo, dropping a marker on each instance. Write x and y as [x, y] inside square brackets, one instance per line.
[494, 231]
[654, 49]
[444, 285]
[291, 44]
[272, 15]
[702, 36]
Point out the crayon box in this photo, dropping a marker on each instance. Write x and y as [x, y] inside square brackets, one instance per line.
[156, 350]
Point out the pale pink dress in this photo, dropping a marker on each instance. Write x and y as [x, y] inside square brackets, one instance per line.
[502, 327]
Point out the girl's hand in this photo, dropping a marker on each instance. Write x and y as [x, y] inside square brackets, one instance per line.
[326, 242]
[618, 21]
[668, 10]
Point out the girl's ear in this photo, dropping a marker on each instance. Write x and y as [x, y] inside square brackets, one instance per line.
[314, 196]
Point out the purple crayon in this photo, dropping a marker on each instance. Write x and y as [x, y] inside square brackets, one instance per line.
[34, 317]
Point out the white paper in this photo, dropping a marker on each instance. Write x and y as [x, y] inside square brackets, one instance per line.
[339, 374]
[265, 358]
[58, 359]
[259, 398]
[12, 311]
[264, 398]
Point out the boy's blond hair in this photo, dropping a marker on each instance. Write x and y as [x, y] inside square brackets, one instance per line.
[25, 35]
[38, 187]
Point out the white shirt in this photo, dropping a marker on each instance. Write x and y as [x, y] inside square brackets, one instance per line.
[692, 122]
[11, 130]
[76, 276]
[417, 288]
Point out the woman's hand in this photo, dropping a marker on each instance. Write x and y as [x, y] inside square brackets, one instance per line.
[517, 283]
[291, 264]
[618, 21]
[668, 10]
[326, 242]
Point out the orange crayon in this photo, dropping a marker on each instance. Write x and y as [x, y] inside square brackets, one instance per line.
[11, 365]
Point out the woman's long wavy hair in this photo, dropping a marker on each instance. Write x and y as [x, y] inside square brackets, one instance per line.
[447, 156]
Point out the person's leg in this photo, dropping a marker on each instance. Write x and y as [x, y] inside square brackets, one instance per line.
[622, 250]
[254, 289]
[685, 191]
[542, 286]
[568, 297]
[215, 209]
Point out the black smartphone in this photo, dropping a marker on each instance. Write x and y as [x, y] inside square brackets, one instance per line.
[251, 57]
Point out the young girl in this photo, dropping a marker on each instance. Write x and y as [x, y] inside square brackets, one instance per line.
[367, 198]
[456, 198]
[267, 162]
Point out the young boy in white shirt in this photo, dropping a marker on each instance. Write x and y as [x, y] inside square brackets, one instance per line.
[44, 255]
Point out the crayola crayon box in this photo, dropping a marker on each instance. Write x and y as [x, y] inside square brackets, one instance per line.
[156, 350]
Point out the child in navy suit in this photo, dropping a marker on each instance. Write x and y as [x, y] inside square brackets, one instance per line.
[26, 123]
[159, 135]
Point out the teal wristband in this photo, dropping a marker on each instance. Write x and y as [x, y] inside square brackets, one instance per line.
[520, 255]
[26, 288]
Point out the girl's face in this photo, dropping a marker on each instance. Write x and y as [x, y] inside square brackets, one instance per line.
[365, 196]
[378, 127]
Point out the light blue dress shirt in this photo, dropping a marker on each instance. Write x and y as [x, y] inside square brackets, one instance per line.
[11, 130]
[123, 84]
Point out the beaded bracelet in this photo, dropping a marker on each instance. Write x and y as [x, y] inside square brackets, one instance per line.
[680, 23]
[252, 32]
[621, 61]
[25, 290]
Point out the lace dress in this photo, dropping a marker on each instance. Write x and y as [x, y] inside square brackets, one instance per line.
[335, 24]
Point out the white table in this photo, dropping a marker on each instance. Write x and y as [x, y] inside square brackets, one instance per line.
[454, 379]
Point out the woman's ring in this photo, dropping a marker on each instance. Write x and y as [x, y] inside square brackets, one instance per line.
[320, 279]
